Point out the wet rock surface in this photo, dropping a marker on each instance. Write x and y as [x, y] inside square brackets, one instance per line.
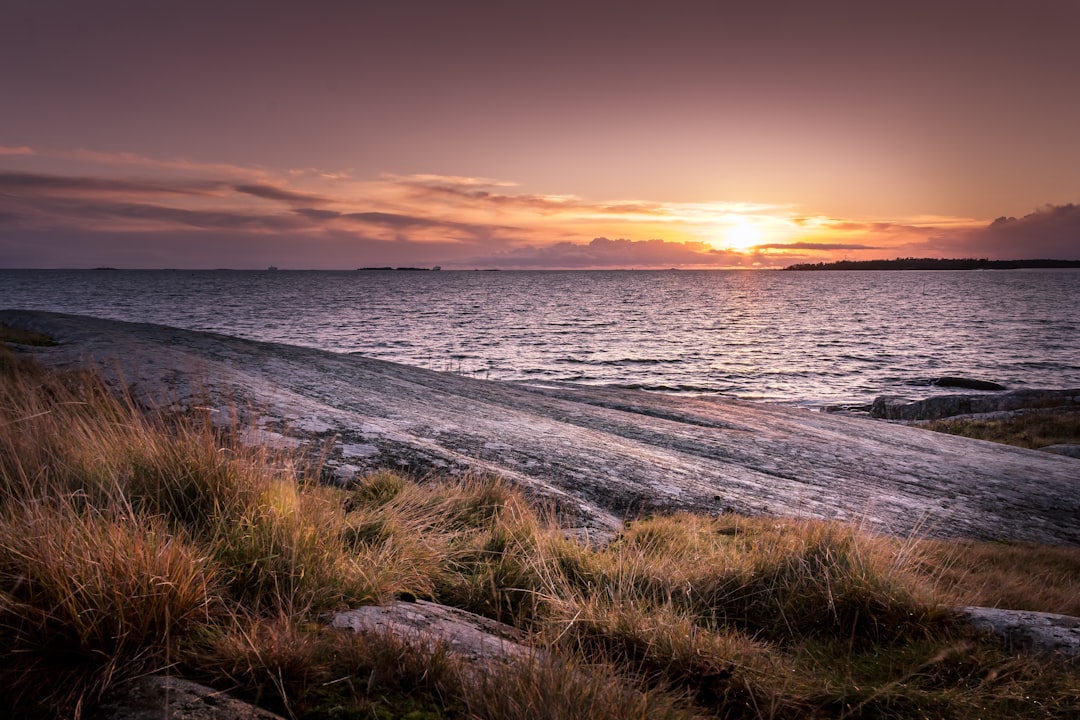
[599, 454]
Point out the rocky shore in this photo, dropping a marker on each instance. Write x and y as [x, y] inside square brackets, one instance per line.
[599, 454]
[945, 406]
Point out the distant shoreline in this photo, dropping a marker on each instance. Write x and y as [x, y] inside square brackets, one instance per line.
[935, 264]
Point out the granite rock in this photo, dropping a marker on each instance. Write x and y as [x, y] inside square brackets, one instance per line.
[480, 641]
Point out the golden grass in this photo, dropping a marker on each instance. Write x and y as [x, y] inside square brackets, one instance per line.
[1030, 430]
[1018, 576]
[133, 543]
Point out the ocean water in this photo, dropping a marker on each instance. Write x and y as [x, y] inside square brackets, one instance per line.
[812, 338]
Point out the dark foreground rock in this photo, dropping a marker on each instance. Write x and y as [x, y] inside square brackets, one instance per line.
[599, 454]
[157, 697]
[888, 407]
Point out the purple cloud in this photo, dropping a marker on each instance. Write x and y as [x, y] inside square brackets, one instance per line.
[270, 192]
[40, 184]
[1051, 232]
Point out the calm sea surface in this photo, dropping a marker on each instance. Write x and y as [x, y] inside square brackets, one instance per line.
[812, 338]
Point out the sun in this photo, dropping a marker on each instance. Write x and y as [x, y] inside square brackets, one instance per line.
[741, 234]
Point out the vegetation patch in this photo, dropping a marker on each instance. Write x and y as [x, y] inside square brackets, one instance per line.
[134, 543]
[1027, 430]
[11, 334]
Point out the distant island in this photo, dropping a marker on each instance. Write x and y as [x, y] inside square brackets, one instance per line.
[935, 264]
[397, 269]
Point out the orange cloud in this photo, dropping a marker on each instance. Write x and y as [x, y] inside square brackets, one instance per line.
[453, 221]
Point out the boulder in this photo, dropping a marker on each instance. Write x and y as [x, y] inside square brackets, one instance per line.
[157, 697]
[1025, 631]
[478, 640]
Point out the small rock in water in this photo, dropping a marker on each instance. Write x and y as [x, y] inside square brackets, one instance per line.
[966, 383]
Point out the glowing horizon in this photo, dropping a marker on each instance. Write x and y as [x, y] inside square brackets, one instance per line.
[457, 221]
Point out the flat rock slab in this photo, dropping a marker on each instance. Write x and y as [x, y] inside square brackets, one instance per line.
[478, 640]
[601, 454]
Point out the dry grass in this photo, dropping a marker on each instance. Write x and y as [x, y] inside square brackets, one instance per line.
[131, 544]
[1018, 576]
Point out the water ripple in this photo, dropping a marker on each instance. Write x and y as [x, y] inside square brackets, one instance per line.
[792, 337]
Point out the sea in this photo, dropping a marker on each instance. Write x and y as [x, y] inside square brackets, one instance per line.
[817, 339]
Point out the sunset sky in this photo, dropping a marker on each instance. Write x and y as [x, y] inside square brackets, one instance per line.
[536, 135]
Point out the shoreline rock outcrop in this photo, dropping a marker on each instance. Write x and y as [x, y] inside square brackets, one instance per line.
[598, 454]
[891, 407]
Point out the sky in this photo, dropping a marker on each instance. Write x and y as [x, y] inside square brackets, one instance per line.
[334, 135]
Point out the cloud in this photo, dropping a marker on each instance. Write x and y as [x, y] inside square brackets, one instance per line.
[35, 183]
[203, 219]
[850, 225]
[460, 181]
[89, 214]
[603, 252]
[21, 150]
[477, 192]
[400, 222]
[321, 174]
[1051, 232]
[815, 246]
[203, 250]
[394, 220]
[134, 159]
[317, 214]
[272, 192]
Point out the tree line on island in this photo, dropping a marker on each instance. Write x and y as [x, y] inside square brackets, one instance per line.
[935, 264]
